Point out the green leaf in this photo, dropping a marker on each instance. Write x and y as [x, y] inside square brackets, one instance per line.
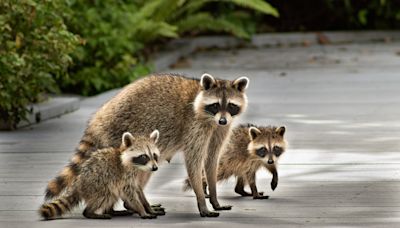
[258, 5]
[362, 16]
[205, 21]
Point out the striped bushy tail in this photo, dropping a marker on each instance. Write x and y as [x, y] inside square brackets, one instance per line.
[59, 206]
[71, 171]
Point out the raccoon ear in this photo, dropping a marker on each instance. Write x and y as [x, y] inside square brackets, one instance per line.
[281, 130]
[254, 133]
[127, 139]
[207, 81]
[154, 135]
[241, 83]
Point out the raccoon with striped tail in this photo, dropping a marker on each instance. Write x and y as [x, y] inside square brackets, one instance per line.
[110, 174]
[250, 148]
[193, 116]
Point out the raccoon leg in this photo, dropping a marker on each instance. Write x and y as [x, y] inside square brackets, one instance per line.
[194, 166]
[156, 207]
[113, 212]
[96, 205]
[144, 178]
[239, 188]
[132, 199]
[274, 172]
[251, 177]
[149, 209]
[88, 213]
[211, 168]
[205, 188]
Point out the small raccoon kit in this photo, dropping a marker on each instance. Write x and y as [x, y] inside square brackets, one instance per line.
[249, 149]
[110, 174]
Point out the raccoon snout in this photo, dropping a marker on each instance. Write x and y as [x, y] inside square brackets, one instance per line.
[154, 168]
[270, 161]
[222, 121]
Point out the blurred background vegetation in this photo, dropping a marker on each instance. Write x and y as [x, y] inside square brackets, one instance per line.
[90, 46]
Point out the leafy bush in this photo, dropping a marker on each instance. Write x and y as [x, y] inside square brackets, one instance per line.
[314, 15]
[230, 16]
[104, 39]
[116, 32]
[34, 48]
[375, 14]
[113, 32]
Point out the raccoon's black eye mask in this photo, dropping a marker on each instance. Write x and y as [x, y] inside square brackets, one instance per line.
[277, 150]
[261, 152]
[141, 160]
[233, 109]
[212, 108]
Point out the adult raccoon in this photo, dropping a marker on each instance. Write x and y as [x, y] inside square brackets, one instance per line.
[193, 116]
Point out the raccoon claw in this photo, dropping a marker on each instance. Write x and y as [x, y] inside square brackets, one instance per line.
[158, 212]
[158, 208]
[274, 184]
[156, 205]
[148, 216]
[261, 193]
[209, 214]
[260, 197]
[222, 208]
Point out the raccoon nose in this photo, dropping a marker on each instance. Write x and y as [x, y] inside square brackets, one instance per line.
[222, 121]
[270, 161]
[154, 168]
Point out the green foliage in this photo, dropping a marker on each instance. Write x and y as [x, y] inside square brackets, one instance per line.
[116, 32]
[317, 15]
[100, 43]
[34, 47]
[206, 22]
[113, 33]
[221, 16]
[258, 5]
[377, 14]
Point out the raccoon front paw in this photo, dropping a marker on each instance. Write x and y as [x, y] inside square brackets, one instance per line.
[120, 213]
[158, 208]
[96, 216]
[157, 212]
[242, 192]
[209, 214]
[148, 216]
[274, 184]
[260, 197]
[156, 205]
[222, 208]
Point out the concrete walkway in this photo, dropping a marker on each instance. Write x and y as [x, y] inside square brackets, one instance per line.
[341, 107]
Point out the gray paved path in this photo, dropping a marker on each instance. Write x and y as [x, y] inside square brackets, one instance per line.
[341, 106]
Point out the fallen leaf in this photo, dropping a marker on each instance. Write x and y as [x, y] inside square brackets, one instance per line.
[322, 39]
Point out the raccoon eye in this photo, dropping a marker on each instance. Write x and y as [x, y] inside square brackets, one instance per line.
[212, 108]
[261, 152]
[277, 150]
[155, 157]
[141, 160]
[233, 109]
